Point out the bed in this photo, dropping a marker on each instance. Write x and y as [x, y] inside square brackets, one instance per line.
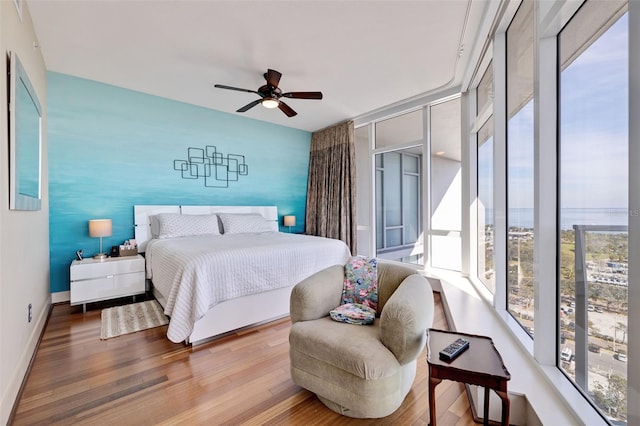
[209, 281]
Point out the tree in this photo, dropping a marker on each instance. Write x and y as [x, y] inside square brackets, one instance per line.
[612, 398]
[620, 326]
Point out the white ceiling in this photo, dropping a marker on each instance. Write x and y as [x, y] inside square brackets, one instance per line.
[363, 55]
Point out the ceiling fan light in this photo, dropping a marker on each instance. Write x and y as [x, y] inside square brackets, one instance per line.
[270, 103]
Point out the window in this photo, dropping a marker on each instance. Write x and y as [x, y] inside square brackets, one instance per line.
[486, 271]
[593, 203]
[520, 166]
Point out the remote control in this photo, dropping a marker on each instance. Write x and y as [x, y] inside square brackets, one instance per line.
[454, 349]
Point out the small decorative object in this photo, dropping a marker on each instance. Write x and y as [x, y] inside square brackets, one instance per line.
[128, 249]
[289, 221]
[214, 167]
[79, 254]
[100, 228]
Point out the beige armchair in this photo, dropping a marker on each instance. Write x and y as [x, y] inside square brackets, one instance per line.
[361, 371]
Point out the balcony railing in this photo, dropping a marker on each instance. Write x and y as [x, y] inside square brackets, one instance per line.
[582, 294]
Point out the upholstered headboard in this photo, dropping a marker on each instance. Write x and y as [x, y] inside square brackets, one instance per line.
[142, 223]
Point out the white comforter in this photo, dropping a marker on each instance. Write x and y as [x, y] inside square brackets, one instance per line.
[196, 273]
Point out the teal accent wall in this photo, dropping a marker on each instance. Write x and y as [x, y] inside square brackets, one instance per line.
[111, 148]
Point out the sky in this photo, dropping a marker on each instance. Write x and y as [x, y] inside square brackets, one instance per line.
[593, 130]
[594, 123]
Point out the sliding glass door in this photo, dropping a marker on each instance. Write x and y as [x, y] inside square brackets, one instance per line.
[398, 188]
[398, 205]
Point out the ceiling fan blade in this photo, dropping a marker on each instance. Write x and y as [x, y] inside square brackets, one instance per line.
[249, 106]
[222, 86]
[286, 109]
[303, 95]
[272, 77]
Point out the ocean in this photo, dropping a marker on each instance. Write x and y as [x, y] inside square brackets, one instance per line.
[523, 217]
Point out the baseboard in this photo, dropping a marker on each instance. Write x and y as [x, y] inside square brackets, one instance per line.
[60, 297]
[17, 381]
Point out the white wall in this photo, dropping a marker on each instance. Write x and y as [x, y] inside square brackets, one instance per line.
[24, 236]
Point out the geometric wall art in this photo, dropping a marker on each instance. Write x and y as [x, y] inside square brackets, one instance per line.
[214, 167]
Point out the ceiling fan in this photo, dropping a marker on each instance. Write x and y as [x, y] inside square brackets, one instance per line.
[270, 94]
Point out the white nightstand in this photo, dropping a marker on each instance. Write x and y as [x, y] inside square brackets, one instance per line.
[93, 280]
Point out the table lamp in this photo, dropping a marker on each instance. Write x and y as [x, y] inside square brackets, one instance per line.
[100, 228]
[289, 221]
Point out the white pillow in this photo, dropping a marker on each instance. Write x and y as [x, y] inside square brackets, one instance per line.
[242, 223]
[172, 225]
[155, 226]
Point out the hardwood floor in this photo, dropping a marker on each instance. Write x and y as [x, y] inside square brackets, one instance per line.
[144, 379]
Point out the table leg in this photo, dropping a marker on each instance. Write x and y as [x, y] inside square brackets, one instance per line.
[504, 396]
[433, 382]
[485, 420]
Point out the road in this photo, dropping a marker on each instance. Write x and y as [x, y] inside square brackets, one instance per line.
[605, 323]
[603, 363]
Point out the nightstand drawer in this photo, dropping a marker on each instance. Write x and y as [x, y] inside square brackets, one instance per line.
[107, 287]
[88, 269]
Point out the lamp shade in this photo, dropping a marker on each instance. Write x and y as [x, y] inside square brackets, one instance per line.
[289, 221]
[100, 228]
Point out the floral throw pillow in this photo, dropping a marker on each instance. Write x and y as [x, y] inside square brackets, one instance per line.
[361, 282]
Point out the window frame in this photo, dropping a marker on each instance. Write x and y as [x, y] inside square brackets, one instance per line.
[582, 376]
[550, 18]
[476, 120]
[633, 372]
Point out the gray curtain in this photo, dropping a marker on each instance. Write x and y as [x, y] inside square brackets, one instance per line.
[331, 189]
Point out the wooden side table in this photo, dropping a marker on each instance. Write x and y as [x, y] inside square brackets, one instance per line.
[480, 365]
